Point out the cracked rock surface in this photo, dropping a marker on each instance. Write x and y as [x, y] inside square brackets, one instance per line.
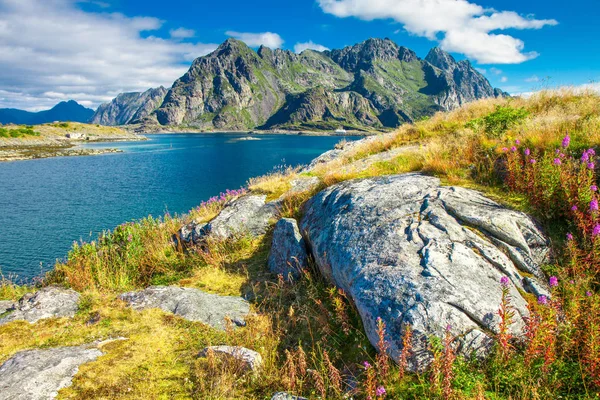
[49, 302]
[191, 304]
[40, 374]
[413, 252]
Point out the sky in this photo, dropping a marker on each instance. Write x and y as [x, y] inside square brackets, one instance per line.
[92, 50]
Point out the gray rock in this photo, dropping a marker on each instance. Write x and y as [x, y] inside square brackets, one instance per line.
[40, 374]
[303, 184]
[286, 396]
[288, 250]
[49, 302]
[412, 252]
[191, 304]
[6, 305]
[249, 360]
[247, 214]
[191, 233]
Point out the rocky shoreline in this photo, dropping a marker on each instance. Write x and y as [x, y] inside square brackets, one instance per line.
[56, 141]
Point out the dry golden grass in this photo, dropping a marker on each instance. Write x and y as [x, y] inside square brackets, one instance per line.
[274, 184]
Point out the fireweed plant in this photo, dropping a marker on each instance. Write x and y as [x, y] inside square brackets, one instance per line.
[564, 327]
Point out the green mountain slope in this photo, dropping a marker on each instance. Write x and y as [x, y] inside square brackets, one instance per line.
[373, 85]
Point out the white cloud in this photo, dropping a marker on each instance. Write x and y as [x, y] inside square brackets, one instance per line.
[482, 70]
[496, 71]
[52, 50]
[464, 27]
[300, 47]
[533, 78]
[268, 39]
[182, 33]
[504, 79]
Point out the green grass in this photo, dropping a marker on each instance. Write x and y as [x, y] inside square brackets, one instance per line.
[18, 132]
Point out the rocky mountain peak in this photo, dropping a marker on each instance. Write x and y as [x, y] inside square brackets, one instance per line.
[440, 58]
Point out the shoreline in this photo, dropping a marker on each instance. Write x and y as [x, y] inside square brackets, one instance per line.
[62, 140]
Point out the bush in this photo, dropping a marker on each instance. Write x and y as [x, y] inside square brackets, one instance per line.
[18, 132]
[499, 121]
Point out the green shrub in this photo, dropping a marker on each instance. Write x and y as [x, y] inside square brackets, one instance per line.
[18, 132]
[499, 121]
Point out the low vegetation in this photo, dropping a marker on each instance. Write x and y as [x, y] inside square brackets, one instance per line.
[536, 154]
[18, 132]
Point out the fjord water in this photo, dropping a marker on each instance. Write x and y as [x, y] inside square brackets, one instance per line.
[47, 204]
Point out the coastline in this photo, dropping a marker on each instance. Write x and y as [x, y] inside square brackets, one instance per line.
[62, 140]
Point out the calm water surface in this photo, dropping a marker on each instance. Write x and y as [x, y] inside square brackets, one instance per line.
[47, 204]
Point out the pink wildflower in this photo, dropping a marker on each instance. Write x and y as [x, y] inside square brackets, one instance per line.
[557, 161]
[553, 281]
[543, 300]
[504, 281]
[527, 151]
[596, 230]
[594, 205]
[380, 391]
[569, 236]
[566, 141]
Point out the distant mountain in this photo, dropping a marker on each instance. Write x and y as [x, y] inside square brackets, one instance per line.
[129, 107]
[64, 111]
[375, 84]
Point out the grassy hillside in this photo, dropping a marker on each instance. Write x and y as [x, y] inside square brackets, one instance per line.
[530, 154]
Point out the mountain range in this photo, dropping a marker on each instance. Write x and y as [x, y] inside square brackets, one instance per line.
[63, 111]
[373, 85]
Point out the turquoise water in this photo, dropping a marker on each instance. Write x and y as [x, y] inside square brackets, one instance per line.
[47, 204]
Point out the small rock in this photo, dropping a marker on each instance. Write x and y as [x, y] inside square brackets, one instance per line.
[286, 396]
[191, 304]
[49, 302]
[191, 233]
[40, 374]
[250, 360]
[288, 250]
[6, 305]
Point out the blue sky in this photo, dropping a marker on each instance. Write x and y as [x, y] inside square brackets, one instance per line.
[90, 50]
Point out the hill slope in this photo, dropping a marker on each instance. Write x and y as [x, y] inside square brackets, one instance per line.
[63, 111]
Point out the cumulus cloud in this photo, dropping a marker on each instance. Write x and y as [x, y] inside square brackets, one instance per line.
[504, 79]
[269, 39]
[52, 50]
[182, 33]
[300, 47]
[533, 78]
[459, 26]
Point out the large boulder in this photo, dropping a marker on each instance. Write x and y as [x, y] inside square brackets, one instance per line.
[248, 360]
[191, 304]
[247, 214]
[415, 253]
[288, 250]
[40, 374]
[48, 302]
[243, 215]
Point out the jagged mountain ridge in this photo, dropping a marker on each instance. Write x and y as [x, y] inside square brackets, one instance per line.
[375, 84]
[130, 107]
[63, 111]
